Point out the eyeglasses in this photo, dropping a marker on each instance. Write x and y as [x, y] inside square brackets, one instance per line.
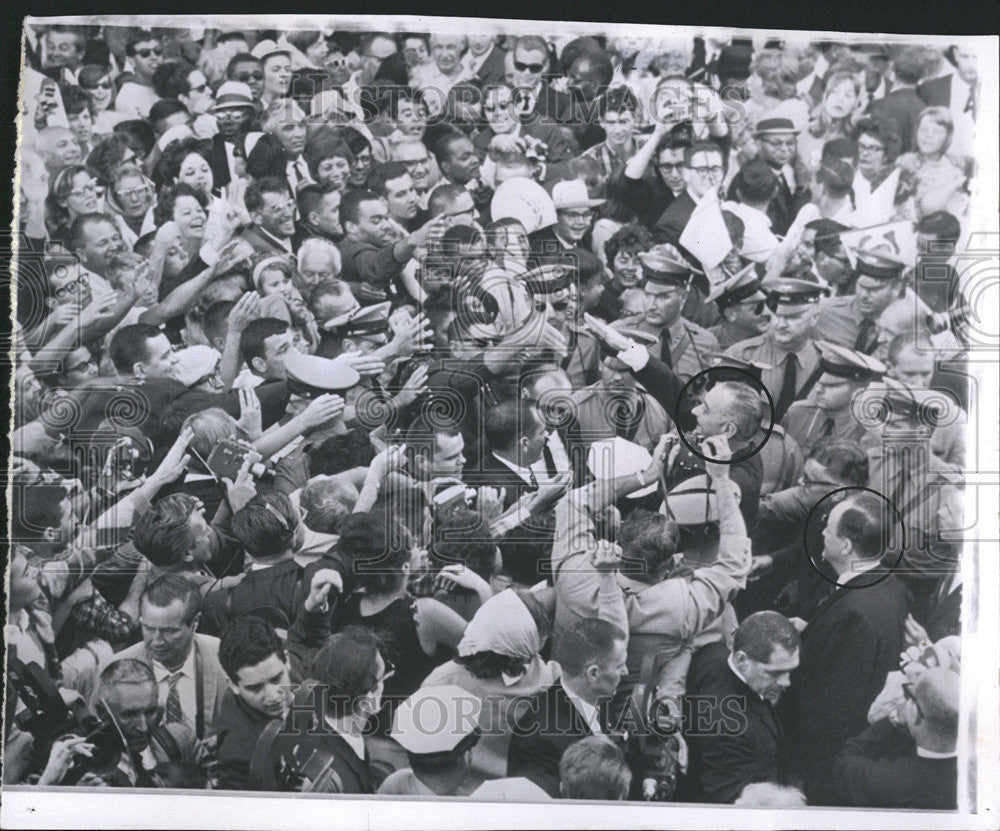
[870, 148]
[284, 207]
[83, 365]
[709, 170]
[250, 76]
[390, 670]
[145, 53]
[89, 188]
[76, 287]
[100, 85]
[132, 193]
[533, 68]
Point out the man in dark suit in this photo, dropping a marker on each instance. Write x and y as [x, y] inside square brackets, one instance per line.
[902, 104]
[849, 646]
[941, 92]
[733, 734]
[592, 655]
[909, 761]
[704, 169]
[515, 436]
[485, 59]
[531, 63]
[777, 140]
[234, 112]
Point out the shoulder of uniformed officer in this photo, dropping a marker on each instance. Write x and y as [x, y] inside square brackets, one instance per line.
[799, 407]
[743, 346]
[587, 392]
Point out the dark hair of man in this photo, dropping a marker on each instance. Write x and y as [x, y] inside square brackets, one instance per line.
[443, 197]
[310, 197]
[35, 508]
[648, 540]
[164, 590]
[336, 454]
[756, 182]
[910, 65]
[265, 526]
[163, 109]
[584, 643]
[170, 80]
[463, 536]
[347, 666]
[163, 211]
[254, 196]
[442, 147]
[258, 331]
[78, 227]
[865, 523]
[633, 238]
[138, 130]
[129, 345]
[507, 422]
[594, 768]
[137, 36]
[702, 147]
[163, 534]
[423, 435]
[761, 633]
[382, 174]
[246, 641]
[617, 100]
[845, 459]
[236, 60]
[107, 155]
[377, 547]
[526, 551]
[351, 203]
[216, 318]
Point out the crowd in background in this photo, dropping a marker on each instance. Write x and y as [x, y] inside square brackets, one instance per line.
[514, 417]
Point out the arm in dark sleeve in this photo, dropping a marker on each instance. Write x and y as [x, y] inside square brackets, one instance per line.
[536, 758]
[662, 383]
[726, 765]
[377, 268]
[228, 557]
[860, 775]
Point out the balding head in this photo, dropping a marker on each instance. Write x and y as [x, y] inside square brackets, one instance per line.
[931, 710]
[58, 148]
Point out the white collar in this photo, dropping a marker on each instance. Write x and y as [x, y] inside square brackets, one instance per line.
[933, 754]
[356, 743]
[738, 674]
[588, 711]
[524, 472]
[847, 576]
[187, 668]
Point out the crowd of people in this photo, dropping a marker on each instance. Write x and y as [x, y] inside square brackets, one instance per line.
[517, 418]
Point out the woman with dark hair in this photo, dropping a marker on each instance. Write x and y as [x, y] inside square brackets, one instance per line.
[499, 660]
[419, 632]
[72, 192]
[96, 82]
[878, 144]
[331, 160]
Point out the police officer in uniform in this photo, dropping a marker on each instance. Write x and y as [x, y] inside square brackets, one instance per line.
[741, 303]
[680, 344]
[788, 346]
[851, 319]
[827, 411]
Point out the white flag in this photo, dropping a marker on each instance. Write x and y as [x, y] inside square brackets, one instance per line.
[705, 234]
[898, 236]
[879, 206]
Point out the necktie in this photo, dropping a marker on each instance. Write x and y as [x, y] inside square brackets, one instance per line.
[173, 709]
[970, 105]
[867, 337]
[550, 462]
[789, 384]
[665, 355]
[827, 427]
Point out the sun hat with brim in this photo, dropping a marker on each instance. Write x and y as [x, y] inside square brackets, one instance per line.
[233, 95]
[571, 194]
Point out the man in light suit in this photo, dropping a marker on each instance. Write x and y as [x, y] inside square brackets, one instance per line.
[189, 678]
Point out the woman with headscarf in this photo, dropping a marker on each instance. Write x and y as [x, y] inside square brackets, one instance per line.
[499, 660]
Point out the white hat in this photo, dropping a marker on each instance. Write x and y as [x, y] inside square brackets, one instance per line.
[436, 719]
[175, 133]
[571, 194]
[526, 201]
[611, 458]
[233, 94]
[195, 363]
[266, 48]
[511, 789]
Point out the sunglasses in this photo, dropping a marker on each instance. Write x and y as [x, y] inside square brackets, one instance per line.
[145, 53]
[533, 68]
[248, 76]
[101, 85]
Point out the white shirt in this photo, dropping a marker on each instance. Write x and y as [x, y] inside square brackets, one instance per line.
[297, 172]
[185, 687]
[356, 743]
[588, 711]
[135, 100]
[963, 138]
[22, 634]
[933, 754]
[859, 568]
[473, 63]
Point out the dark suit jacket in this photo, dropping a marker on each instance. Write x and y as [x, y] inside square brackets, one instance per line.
[668, 228]
[556, 105]
[901, 106]
[495, 474]
[542, 734]
[493, 71]
[944, 609]
[561, 143]
[239, 728]
[733, 741]
[262, 242]
[936, 92]
[881, 769]
[852, 642]
[218, 162]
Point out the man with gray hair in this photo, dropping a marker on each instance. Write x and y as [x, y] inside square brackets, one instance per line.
[285, 120]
